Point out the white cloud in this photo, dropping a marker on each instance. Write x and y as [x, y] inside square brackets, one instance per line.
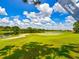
[4, 20]
[3, 11]
[70, 19]
[26, 21]
[38, 23]
[25, 13]
[45, 8]
[58, 8]
[45, 11]
[46, 20]
[77, 4]
[41, 19]
[31, 15]
[11, 23]
[67, 25]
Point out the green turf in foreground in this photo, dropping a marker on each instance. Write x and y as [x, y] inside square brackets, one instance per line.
[57, 41]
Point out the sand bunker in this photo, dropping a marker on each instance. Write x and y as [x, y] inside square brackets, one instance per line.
[16, 37]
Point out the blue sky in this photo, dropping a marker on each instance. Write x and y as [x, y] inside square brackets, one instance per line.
[16, 8]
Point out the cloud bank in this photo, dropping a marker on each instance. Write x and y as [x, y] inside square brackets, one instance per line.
[41, 19]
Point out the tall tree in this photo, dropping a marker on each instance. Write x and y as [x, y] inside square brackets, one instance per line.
[16, 30]
[76, 27]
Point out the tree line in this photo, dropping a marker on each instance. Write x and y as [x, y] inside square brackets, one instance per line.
[16, 30]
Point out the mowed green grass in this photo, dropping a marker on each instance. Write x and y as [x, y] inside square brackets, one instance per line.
[57, 40]
[62, 38]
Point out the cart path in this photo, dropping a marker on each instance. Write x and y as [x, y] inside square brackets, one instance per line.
[24, 35]
[16, 37]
